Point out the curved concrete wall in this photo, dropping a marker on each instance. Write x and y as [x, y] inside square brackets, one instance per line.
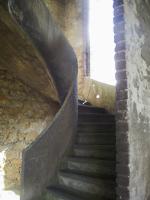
[69, 15]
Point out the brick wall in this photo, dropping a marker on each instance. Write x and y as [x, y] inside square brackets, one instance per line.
[121, 103]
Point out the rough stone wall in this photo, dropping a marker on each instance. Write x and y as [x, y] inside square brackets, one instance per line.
[137, 17]
[24, 114]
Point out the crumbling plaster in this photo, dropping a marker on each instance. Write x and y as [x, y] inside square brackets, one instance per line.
[137, 17]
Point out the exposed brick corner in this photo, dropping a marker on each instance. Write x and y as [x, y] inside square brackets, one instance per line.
[122, 142]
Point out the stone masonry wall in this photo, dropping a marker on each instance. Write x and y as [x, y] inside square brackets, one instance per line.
[24, 114]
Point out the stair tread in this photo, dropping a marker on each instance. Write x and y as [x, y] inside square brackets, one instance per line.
[88, 133]
[72, 194]
[91, 165]
[103, 152]
[65, 193]
[90, 174]
[88, 106]
[90, 185]
[85, 178]
[95, 123]
[91, 109]
[95, 135]
[90, 160]
[96, 129]
[95, 147]
[97, 114]
[95, 139]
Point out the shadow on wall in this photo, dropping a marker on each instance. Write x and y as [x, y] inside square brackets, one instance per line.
[25, 113]
[99, 94]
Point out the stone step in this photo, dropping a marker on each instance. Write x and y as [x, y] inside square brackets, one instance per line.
[96, 127]
[90, 109]
[95, 117]
[95, 139]
[89, 185]
[88, 165]
[63, 193]
[60, 193]
[106, 152]
[88, 133]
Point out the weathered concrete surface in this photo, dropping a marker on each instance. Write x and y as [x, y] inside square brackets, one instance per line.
[69, 16]
[74, 33]
[99, 94]
[137, 16]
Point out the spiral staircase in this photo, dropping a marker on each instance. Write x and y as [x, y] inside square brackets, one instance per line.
[70, 160]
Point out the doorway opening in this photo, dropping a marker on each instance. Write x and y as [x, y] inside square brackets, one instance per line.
[102, 64]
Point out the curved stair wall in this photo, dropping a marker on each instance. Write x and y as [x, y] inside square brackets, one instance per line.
[41, 159]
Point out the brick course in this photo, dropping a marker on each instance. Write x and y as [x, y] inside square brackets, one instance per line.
[122, 142]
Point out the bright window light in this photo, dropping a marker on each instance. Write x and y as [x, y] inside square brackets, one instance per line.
[5, 194]
[102, 63]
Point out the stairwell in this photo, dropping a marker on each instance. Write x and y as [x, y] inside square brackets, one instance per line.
[89, 173]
